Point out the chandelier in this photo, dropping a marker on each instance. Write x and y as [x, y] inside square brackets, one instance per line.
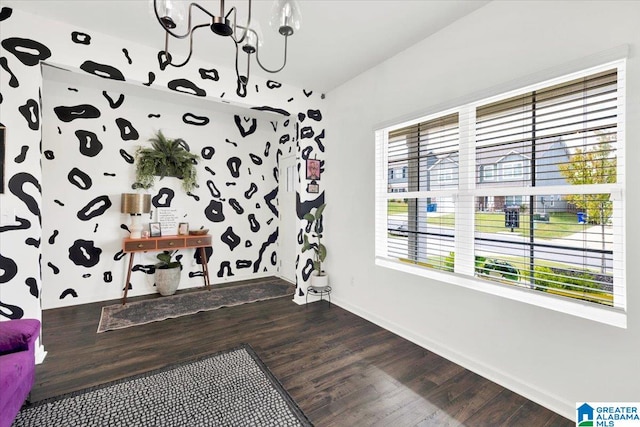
[285, 19]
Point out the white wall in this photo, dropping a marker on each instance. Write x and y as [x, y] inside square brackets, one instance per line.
[552, 358]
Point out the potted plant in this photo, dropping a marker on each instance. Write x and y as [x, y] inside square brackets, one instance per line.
[167, 274]
[165, 157]
[319, 279]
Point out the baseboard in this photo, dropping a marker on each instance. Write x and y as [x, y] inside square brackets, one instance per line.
[293, 282]
[40, 354]
[544, 398]
[236, 278]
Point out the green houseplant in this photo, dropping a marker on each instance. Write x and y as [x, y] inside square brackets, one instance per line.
[319, 279]
[165, 157]
[167, 274]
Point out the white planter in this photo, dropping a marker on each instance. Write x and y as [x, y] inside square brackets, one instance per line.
[319, 281]
[167, 280]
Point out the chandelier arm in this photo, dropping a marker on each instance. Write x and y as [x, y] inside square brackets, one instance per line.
[246, 29]
[283, 63]
[244, 83]
[190, 30]
[248, 67]
[166, 47]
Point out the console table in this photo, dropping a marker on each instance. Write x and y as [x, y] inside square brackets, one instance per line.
[166, 243]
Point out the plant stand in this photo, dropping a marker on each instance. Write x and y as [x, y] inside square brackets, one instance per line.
[318, 291]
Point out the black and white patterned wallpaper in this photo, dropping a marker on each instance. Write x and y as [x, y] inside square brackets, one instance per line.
[86, 140]
[90, 159]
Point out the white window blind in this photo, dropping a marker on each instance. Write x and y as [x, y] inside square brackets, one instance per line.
[420, 214]
[523, 189]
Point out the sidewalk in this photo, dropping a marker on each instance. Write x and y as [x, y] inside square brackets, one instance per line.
[589, 238]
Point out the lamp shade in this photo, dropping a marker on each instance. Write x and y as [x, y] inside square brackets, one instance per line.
[135, 203]
[285, 17]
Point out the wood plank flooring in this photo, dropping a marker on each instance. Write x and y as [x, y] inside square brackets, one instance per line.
[341, 369]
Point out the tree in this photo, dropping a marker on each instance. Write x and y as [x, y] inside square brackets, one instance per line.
[594, 165]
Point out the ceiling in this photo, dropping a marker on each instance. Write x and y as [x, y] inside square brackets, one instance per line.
[338, 39]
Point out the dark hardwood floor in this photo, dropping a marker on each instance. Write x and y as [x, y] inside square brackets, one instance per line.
[340, 369]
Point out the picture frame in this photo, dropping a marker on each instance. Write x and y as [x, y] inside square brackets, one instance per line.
[3, 132]
[313, 169]
[155, 230]
[313, 187]
[183, 228]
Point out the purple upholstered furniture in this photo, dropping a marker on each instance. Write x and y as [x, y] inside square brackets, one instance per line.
[17, 365]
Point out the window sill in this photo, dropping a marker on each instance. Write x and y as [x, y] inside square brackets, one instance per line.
[607, 315]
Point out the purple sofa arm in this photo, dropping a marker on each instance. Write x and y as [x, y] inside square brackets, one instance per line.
[17, 365]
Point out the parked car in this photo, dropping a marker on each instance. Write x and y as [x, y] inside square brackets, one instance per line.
[500, 268]
[397, 227]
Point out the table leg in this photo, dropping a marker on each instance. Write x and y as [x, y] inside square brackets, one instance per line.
[126, 283]
[205, 267]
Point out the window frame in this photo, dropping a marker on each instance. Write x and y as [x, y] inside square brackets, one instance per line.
[512, 166]
[488, 177]
[467, 191]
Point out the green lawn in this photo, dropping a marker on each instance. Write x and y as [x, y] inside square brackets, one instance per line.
[560, 224]
[396, 207]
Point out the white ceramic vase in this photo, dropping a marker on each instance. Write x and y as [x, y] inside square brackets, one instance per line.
[319, 281]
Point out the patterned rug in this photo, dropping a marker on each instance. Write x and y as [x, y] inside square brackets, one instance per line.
[232, 388]
[118, 316]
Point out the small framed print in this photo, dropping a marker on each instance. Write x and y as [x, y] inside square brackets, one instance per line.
[313, 187]
[154, 229]
[313, 169]
[183, 228]
[2, 155]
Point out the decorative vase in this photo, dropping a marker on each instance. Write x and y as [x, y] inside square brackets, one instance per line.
[319, 281]
[167, 280]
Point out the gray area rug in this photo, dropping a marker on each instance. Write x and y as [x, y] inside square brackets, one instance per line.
[233, 388]
[118, 316]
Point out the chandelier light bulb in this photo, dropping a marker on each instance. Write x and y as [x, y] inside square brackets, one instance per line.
[285, 17]
[171, 12]
[254, 38]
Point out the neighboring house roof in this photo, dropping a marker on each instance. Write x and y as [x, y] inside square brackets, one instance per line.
[512, 153]
[451, 158]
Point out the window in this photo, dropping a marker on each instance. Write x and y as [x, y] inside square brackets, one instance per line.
[418, 230]
[488, 172]
[512, 171]
[543, 211]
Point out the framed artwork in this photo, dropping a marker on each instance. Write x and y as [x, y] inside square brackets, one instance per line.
[183, 228]
[2, 157]
[313, 169]
[154, 229]
[313, 187]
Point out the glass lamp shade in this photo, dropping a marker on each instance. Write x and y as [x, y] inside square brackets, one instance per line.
[254, 38]
[135, 203]
[171, 12]
[285, 17]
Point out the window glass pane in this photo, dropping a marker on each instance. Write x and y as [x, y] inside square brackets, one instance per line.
[424, 156]
[529, 137]
[563, 248]
[421, 231]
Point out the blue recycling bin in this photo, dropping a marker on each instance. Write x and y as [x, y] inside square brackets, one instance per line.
[432, 207]
[582, 217]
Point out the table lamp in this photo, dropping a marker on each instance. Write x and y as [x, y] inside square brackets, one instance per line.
[135, 204]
